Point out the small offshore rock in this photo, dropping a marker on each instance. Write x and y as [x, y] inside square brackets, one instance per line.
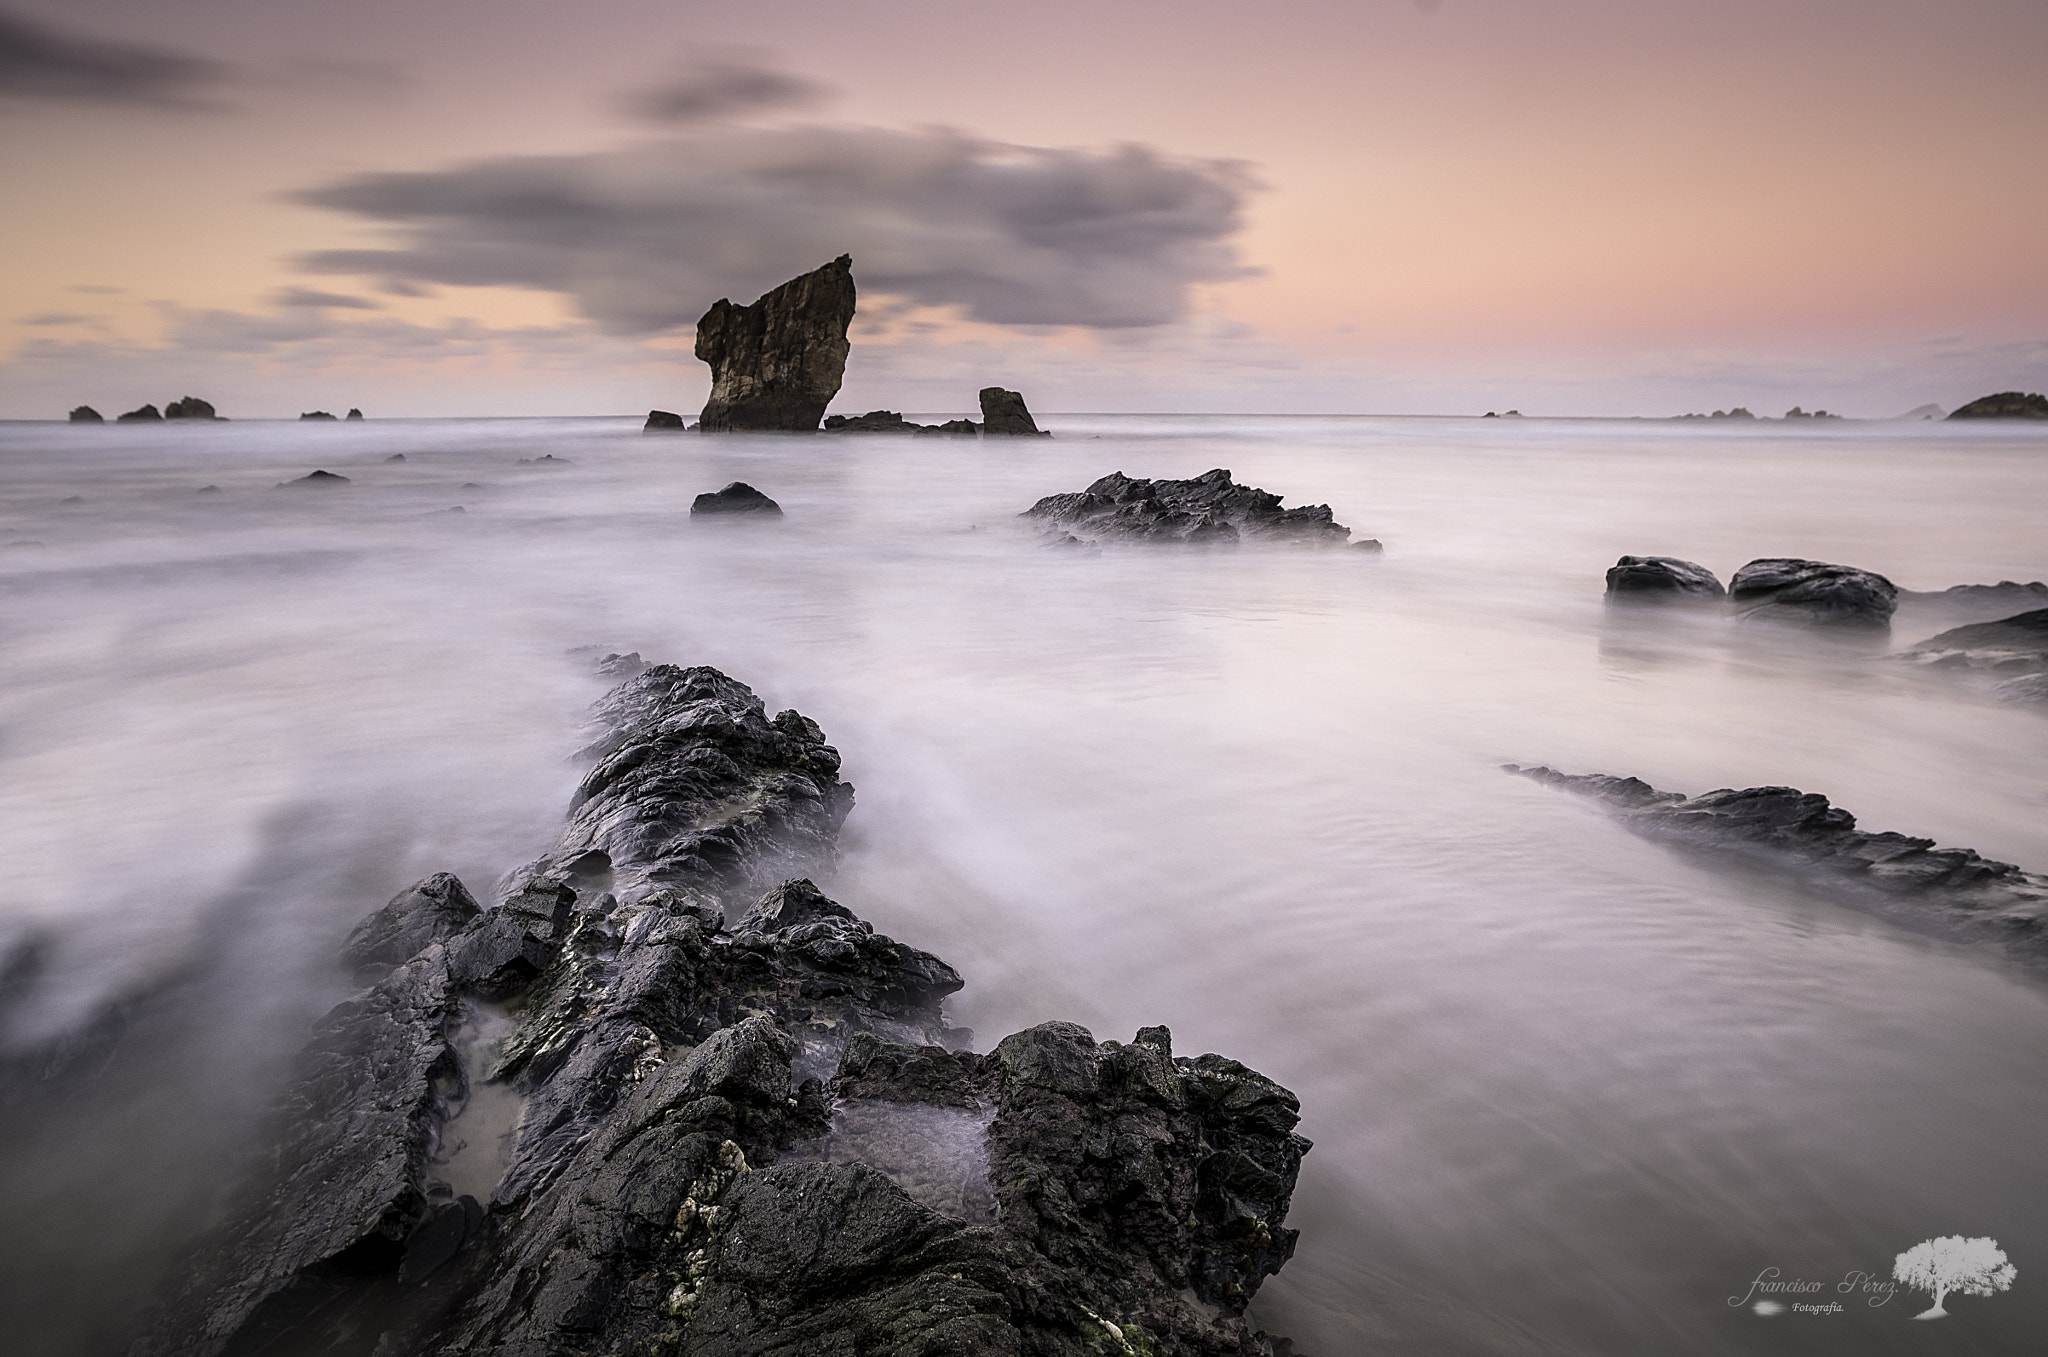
[395, 457]
[191, 407]
[1003, 415]
[2005, 405]
[316, 414]
[316, 479]
[659, 420]
[1661, 578]
[736, 498]
[777, 364]
[545, 459]
[1210, 508]
[148, 414]
[1812, 593]
[353, 413]
[85, 414]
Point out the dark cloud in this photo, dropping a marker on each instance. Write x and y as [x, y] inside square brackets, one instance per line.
[646, 238]
[725, 86]
[58, 318]
[40, 62]
[302, 296]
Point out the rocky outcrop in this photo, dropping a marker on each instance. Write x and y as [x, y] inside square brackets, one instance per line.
[888, 421]
[190, 407]
[1659, 579]
[1951, 891]
[664, 421]
[85, 414]
[316, 415]
[1003, 415]
[1971, 602]
[1209, 508]
[353, 413]
[1812, 593]
[148, 414]
[314, 480]
[2013, 652]
[736, 498]
[777, 364]
[2005, 405]
[1796, 413]
[624, 1110]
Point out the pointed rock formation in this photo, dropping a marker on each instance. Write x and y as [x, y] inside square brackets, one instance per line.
[85, 414]
[777, 364]
[736, 498]
[1003, 414]
[148, 414]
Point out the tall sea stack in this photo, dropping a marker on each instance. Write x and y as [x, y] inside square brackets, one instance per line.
[777, 364]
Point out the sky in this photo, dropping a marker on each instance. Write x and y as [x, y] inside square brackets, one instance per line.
[520, 207]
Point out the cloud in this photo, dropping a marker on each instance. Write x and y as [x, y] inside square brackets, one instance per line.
[40, 62]
[723, 86]
[59, 318]
[645, 238]
[303, 296]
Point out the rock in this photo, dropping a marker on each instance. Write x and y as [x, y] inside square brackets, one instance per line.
[545, 459]
[1971, 602]
[1928, 411]
[395, 457]
[1796, 413]
[85, 414]
[777, 364]
[658, 1067]
[148, 414]
[1003, 415]
[316, 414]
[315, 479]
[1209, 508]
[191, 407]
[2012, 650]
[736, 498]
[957, 428]
[2005, 405]
[1812, 593]
[353, 413]
[874, 421]
[1949, 891]
[1738, 412]
[660, 420]
[1661, 578]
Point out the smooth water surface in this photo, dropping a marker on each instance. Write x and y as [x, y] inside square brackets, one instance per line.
[1570, 1092]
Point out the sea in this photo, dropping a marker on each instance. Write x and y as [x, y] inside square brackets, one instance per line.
[1571, 1092]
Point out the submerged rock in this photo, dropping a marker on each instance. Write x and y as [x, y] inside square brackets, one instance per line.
[148, 414]
[659, 1063]
[664, 421]
[1951, 891]
[736, 498]
[1003, 414]
[1812, 593]
[1660, 578]
[314, 480]
[777, 364]
[191, 407]
[2005, 405]
[1208, 508]
[85, 414]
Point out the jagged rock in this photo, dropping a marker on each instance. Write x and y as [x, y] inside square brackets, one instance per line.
[664, 420]
[736, 498]
[353, 413]
[1003, 414]
[660, 1064]
[1812, 593]
[777, 364]
[148, 414]
[888, 421]
[957, 428]
[1796, 413]
[1209, 508]
[315, 480]
[191, 407]
[2005, 405]
[316, 414]
[1952, 891]
[1739, 412]
[1660, 578]
[85, 414]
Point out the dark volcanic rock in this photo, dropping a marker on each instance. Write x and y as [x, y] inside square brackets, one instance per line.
[191, 407]
[888, 421]
[659, 1063]
[777, 364]
[1003, 414]
[85, 414]
[316, 414]
[2013, 651]
[1209, 508]
[2005, 405]
[1951, 891]
[1971, 602]
[353, 413]
[736, 498]
[1661, 578]
[1812, 593]
[664, 421]
[315, 480]
[148, 414]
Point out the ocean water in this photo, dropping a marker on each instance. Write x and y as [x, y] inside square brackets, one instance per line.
[1570, 1092]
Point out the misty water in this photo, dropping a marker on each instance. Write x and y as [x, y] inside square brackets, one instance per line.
[1570, 1091]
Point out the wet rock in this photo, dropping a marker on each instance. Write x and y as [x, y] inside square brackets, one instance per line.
[1948, 891]
[316, 414]
[1210, 508]
[85, 414]
[1812, 593]
[353, 413]
[191, 407]
[315, 480]
[2005, 405]
[1003, 415]
[659, 1063]
[148, 414]
[777, 364]
[736, 498]
[664, 420]
[2012, 651]
[1970, 602]
[1661, 578]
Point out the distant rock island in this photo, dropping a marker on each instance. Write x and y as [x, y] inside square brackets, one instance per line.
[777, 364]
[2005, 405]
[85, 414]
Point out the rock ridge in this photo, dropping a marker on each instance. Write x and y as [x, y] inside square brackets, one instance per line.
[1209, 508]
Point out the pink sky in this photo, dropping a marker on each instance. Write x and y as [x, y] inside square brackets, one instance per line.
[1574, 207]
